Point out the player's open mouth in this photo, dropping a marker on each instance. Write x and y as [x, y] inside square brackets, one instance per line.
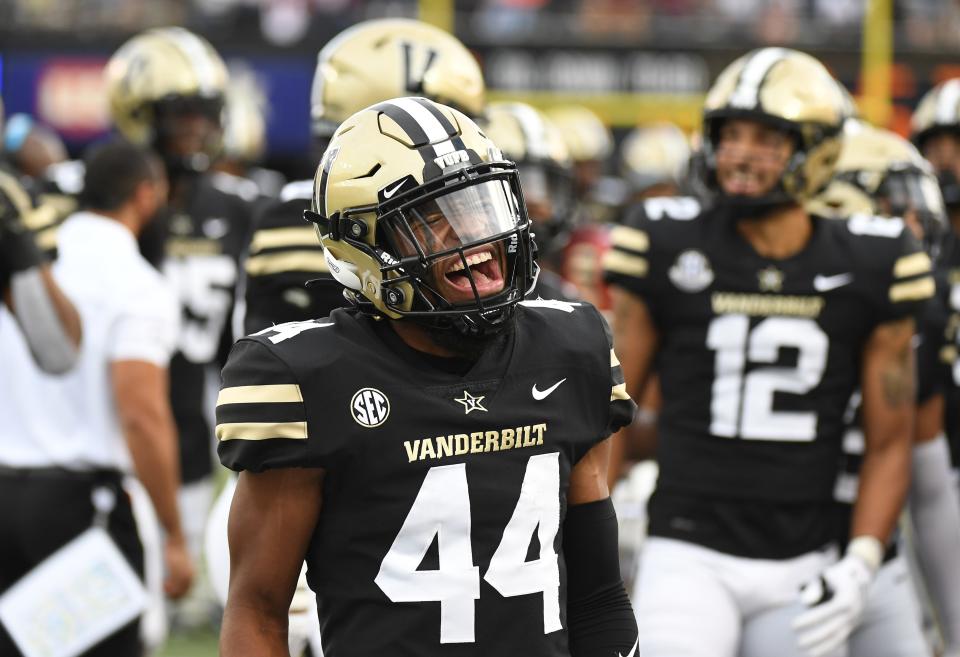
[484, 267]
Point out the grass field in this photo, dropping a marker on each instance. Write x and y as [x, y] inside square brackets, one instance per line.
[196, 643]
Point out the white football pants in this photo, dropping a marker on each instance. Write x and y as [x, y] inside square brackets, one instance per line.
[692, 601]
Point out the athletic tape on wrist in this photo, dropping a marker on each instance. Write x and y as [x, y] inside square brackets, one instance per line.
[868, 549]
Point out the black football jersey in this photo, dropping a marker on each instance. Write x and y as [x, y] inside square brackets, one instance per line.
[949, 264]
[284, 254]
[757, 361]
[202, 247]
[445, 493]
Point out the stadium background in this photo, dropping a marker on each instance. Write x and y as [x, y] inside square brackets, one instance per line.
[633, 61]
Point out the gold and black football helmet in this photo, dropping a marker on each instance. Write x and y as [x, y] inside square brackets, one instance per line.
[790, 90]
[244, 124]
[938, 114]
[880, 172]
[377, 60]
[528, 138]
[162, 74]
[421, 218]
[654, 159]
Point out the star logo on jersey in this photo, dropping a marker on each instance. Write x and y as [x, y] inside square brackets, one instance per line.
[181, 224]
[471, 403]
[770, 279]
[691, 272]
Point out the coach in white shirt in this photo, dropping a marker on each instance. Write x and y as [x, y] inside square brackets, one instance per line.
[62, 437]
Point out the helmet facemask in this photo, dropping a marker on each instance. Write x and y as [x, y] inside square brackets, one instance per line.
[188, 132]
[460, 244]
[908, 190]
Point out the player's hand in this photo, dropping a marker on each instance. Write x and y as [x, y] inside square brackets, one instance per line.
[835, 601]
[179, 568]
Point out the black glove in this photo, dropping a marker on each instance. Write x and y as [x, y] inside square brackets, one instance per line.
[18, 250]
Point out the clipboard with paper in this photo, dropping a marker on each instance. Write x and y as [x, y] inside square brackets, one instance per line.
[78, 596]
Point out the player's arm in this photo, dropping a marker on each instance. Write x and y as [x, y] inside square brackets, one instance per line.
[888, 384]
[935, 514]
[142, 399]
[635, 338]
[600, 618]
[50, 323]
[263, 432]
[272, 518]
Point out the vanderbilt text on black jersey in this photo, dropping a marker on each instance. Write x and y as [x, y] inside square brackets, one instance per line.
[441, 529]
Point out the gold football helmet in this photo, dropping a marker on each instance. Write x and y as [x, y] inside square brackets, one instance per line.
[530, 139]
[938, 110]
[587, 137]
[163, 71]
[880, 172]
[376, 60]
[788, 89]
[938, 115]
[654, 155]
[421, 218]
[244, 125]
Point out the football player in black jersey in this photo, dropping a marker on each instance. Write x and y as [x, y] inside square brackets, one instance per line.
[879, 172]
[438, 452]
[49, 321]
[935, 129]
[763, 319]
[530, 139]
[166, 91]
[368, 63]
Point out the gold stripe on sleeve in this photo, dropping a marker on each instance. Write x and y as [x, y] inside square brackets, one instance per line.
[630, 238]
[272, 238]
[261, 430]
[622, 263]
[270, 394]
[614, 361]
[948, 354]
[911, 265]
[47, 239]
[922, 288]
[273, 263]
[619, 392]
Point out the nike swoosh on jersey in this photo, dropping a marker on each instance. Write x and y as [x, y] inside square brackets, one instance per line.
[543, 394]
[826, 283]
[633, 650]
[391, 192]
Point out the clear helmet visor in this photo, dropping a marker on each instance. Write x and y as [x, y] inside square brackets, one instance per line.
[450, 222]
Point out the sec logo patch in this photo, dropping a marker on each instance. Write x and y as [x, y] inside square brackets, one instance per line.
[370, 407]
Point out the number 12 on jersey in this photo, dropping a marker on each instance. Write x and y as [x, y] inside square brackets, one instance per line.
[742, 403]
[442, 510]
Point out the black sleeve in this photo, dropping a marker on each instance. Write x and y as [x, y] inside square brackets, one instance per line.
[284, 254]
[627, 263]
[600, 618]
[910, 282]
[261, 417]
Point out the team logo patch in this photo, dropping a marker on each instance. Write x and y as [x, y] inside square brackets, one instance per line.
[691, 272]
[770, 279]
[370, 407]
[471, 403]
[216, 227]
